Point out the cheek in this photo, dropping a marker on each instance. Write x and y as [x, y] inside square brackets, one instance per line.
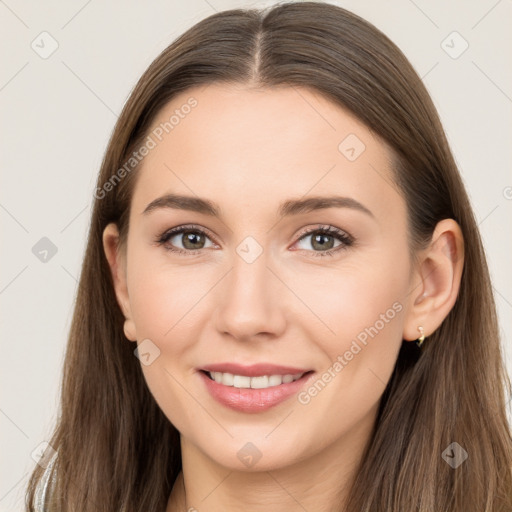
[163, 298]
[361, 301]
[361, 309]
[367, 310]
[165, 304]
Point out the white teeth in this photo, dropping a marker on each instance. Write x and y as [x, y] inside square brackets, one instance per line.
[260, 382]
[275, 380]
[227, 379]
[241, 381]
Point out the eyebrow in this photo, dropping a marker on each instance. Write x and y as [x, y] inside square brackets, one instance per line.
[286, 209]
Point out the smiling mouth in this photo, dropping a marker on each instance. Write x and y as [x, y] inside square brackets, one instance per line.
[258, 382]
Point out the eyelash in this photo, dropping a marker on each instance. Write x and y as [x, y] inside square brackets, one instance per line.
[340, 235]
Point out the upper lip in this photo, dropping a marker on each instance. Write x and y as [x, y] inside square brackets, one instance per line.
[254, 370]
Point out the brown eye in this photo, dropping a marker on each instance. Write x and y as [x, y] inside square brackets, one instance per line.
[323, 241]
[184, 240]
[192, 240]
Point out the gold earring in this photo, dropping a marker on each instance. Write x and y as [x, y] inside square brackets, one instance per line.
[420, 340]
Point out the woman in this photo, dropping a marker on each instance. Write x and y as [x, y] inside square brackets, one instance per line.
[263, 375]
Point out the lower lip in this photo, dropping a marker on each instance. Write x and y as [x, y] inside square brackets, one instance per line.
[253, 400]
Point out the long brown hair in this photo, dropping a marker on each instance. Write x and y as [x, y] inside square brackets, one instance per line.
[116, 449]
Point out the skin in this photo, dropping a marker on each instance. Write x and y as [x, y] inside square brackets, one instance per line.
[248, 150]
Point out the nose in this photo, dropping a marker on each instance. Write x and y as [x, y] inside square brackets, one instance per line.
[250, 301]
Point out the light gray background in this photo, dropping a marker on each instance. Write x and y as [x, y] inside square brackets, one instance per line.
[57, 114]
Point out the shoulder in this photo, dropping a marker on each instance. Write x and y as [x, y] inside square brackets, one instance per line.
[45, 484]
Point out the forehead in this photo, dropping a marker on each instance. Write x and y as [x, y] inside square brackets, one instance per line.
[245, 146]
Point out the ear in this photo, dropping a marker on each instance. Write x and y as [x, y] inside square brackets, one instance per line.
[436, 280]
[117, 262]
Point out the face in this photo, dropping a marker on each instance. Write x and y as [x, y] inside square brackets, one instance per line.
[317, 290]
